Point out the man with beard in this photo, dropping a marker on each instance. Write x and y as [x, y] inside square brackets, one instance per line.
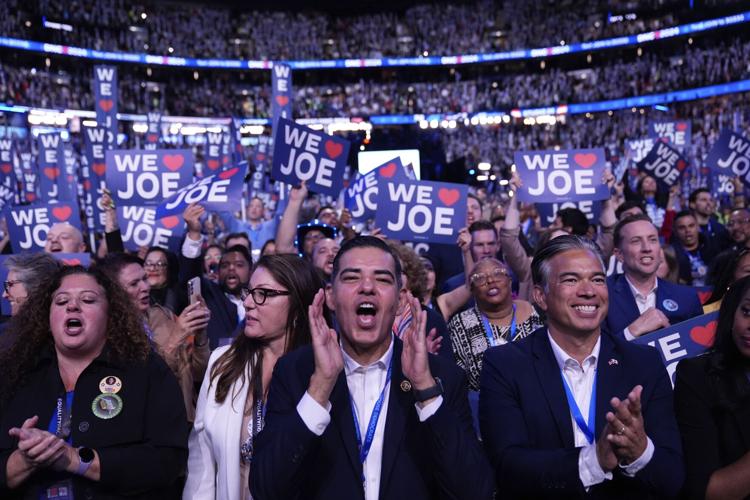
[694, 250]
[65, 238]
[703, 206]
[323, 253]
[739, 228]
[225, 298]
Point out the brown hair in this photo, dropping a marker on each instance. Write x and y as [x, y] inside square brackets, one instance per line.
[297, 276]
[414, 270]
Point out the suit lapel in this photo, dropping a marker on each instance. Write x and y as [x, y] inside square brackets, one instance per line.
[624, 299]
[344, 422]
[550, 380]
[400, 406]
[608, 380]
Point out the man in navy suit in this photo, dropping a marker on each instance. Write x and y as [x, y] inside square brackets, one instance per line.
[640, 302]
[571, 412]
[361, 414]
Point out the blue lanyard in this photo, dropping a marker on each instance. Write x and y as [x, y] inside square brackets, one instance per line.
[364, 447]
[488, 328]
[588, 429]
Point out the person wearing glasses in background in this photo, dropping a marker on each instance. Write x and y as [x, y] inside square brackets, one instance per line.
[494, 320]
[162, 271]
[231, 405]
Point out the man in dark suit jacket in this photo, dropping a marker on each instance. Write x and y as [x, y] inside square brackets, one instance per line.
[570, 412]
[640, 302]
[414, 442]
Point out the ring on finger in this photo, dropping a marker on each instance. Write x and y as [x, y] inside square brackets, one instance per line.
[621, 431]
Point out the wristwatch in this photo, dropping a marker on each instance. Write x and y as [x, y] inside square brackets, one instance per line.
[86, 457]
[430, 392]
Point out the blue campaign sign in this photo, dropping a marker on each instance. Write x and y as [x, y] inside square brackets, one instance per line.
[730, 155]
[677, 133]
[281, 101]
[137, 178]
[28, 225]
[105, 95]
[302, 154]
[683, 340]
[93, 171]
[361, 196]
[637, 149]
[216, 193]
[421, 211]
[73, 259]
[49, 166]
[7, 173]
[664, 163]
[140, 227]
[548, 211]
[214, 153]
[559, 176]
[153, 132]
[67, 186]
[29, 177]
[4, 304]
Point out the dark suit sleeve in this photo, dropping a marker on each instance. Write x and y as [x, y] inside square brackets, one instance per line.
[694, 302]
[665, 473]
[520, 469]
[700, 436]
[461, 468]
[283, 447]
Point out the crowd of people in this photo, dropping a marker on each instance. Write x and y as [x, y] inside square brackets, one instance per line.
[413, 30]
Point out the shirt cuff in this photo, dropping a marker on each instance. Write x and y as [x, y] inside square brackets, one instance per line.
[633, 468]
[628, 336]
[192, 248]
[589, 470]
[428, 410]
[315, 417]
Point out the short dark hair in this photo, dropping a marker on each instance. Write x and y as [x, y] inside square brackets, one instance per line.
[481, 205]
[482, 225]
[113, 263]
[694, 195]
[540, 263]
[366, 242]
[683, 213]
[628, 205]
[242, 235]
[617, 237]
[324, 207]
[238, 249]
[575, 220]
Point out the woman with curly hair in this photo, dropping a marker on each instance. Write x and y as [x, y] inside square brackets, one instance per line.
[87, 407]
[231, 404]
[712, 404]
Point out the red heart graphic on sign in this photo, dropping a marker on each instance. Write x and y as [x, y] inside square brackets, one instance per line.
[6, 168]
[226, 174]
[51, 173]
[224, 160]
[704, 296]
[99, 168]
[30, 197]
[170, 222]
[681, 126]
[152, 138]
[72, 262]
[282, 100]
[87, 185]
[106, 104]
[213, 164]
[389, 170]
[260, 157]
[70, 178]
[448, 196]
[334, 149]
[681, 165]
[62, 213]
[585, 159]
[704, 335]
[173, 162]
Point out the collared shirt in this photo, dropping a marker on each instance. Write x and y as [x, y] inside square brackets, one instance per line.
[644, 302]
[580, 378]
[365, 384]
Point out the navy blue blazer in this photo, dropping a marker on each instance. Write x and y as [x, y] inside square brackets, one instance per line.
[437, 458]
[528, 431]
[623, 310]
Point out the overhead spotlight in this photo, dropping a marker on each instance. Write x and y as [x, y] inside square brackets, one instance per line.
[144, 15]
[484, 166]
[170, 49]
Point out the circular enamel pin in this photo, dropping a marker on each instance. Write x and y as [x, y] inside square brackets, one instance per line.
[110, 385]
[670, 305]
[406, 386]
[106, 406]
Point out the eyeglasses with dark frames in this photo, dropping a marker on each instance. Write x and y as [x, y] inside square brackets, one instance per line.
[261, 294]
[7, 285]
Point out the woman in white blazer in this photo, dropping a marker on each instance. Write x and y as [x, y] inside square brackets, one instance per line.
[232, 398]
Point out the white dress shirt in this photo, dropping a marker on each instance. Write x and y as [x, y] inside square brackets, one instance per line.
[365, 384]
[580, 379]
[644, 302]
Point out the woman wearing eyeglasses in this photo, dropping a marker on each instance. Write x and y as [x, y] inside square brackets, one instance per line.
[495, 319]
[231, 404]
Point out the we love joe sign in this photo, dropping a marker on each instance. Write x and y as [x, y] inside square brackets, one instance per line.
[147, 177]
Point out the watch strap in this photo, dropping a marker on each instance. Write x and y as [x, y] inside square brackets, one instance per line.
[430, 392]
[85, 459]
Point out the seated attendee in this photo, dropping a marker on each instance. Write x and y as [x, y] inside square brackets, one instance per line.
[703, 206]
[694, 251]
[64, 237]
[570, 411]
[414, 441]
[640, 302]
[495, 318]
[712, 401]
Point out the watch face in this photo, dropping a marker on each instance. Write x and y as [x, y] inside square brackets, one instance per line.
[86, 454]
